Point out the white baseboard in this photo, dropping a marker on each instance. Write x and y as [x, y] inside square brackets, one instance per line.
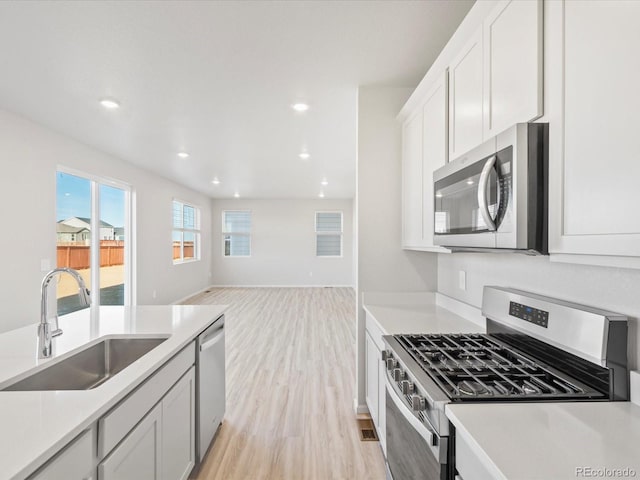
[466, 311]
[180, 300]
[635, 387]
[281, 286]
[360, 409]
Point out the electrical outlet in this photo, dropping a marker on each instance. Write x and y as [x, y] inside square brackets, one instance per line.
[45, 265]
[311, 274]
[154, 294]
[462, 280]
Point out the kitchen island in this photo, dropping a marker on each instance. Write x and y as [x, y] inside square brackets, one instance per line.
[38, 424]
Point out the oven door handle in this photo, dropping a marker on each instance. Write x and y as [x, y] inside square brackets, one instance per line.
[482, 193]
[419, 427]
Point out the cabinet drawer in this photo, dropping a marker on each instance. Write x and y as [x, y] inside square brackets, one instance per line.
[74, 462]
[374, 331]
[468, 464]
[116, 424]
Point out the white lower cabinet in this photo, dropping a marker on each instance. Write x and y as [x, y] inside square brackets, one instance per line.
[162, 445]
[138, 457]
[148, 435]
[178, 429]
[375, 380]
[382, 405]
[372, 378]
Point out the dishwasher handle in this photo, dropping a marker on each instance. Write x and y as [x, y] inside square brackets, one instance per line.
[212, 340]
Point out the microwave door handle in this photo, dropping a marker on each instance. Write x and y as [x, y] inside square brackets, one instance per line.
[482, 193]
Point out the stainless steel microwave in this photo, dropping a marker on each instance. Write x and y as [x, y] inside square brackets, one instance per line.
[495, 198]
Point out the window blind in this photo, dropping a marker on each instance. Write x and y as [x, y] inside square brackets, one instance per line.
[328, 234]
[236, 229]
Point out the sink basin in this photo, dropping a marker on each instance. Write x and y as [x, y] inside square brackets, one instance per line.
[90, 367]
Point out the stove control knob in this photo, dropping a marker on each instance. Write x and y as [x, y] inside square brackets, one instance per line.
[386, 354]
[407, 387]
[418, 403]
[398, 374]
[391, 364]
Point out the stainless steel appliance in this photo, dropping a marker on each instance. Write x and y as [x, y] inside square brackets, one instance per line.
[495, 196]
[210, 385]
[536, 349]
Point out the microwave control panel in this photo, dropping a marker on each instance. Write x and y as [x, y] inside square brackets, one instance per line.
[529, 314]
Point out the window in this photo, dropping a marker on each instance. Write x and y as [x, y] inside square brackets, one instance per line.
[328, 234]
[186, 232]
[236, 233]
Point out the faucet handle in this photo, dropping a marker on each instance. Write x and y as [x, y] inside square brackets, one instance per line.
[57, 330]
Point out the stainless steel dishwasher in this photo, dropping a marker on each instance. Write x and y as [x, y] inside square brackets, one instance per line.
[210, 386]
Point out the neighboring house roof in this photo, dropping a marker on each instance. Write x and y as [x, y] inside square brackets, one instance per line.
[64, 228]
[118, 231]
[87, 221]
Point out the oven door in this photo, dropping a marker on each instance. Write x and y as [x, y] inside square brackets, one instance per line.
[413, 450]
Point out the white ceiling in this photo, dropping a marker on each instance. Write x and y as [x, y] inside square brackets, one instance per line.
[217, 79]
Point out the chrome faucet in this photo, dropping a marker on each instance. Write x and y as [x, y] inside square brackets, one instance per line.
[45, 334]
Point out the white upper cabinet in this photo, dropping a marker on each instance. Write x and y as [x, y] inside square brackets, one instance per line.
[512, 65]
[594, 151]
[412, 182]
[465, 98]
[424, 149]
[434, 150]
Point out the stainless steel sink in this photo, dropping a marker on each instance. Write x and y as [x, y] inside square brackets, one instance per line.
[90, 367]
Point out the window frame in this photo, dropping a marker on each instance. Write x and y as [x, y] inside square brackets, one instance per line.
[130, 236]
[197, 232]
[248, 234]
[338, 234]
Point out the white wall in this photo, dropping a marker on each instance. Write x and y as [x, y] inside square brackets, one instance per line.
[616, 289]
[29, 156]
[282, 244]
[382, 264]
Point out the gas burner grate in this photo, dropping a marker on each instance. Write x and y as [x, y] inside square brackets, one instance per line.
[477, 367]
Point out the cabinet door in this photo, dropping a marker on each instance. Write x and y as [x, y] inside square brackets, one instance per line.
[595, 171]
[382, 405]
[138, 457]
[412, 181]
[465, 98]
[512, 65]
[373, 356]
[434, 150]
[178, 429]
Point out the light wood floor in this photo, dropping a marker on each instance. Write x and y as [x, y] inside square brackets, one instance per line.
[290, 388]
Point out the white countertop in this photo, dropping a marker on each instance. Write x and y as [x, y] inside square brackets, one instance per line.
[35, 425]
[415, 313]
[543, 441]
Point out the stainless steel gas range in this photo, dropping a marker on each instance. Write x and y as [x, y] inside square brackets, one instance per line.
[536, 349]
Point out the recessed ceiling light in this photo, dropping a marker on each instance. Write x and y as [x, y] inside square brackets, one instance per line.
[324, 182]
[469, 182]
[304, 155]
[215, 181]
[237, 195]
[110, 103]
[183, 154]
[321, 194]
[439, 195]
[300, 107]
